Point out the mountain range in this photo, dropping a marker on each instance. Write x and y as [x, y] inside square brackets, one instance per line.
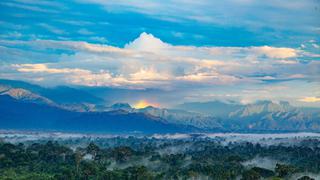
[32, 107]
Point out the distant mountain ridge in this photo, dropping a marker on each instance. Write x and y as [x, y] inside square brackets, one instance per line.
[263, 107]
[74, 110]
[266, 115]
[183, 117]
[215, 108]
[17, 114]
[24, 95]
[61, 96]
[260, 116]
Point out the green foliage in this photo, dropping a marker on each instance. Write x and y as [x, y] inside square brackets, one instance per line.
[12, 174]
[306, 178]
[283, 170]
[122, 154]
[250, 175]
[263, 172]
[137, 159]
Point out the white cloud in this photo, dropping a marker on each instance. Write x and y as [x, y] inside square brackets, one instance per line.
[149, 62]
[273, 52]
[316, 46]
[42, 68]
[287, 62]
[149, 74]
[101, 78]
[209, 78]
[147, 42]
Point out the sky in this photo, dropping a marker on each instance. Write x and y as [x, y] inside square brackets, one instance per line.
[181, 50]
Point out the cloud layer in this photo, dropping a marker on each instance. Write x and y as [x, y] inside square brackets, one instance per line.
[148, 62]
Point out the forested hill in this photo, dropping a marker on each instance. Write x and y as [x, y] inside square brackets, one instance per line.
[148, 159]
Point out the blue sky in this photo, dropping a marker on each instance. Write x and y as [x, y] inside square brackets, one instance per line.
[242, 50]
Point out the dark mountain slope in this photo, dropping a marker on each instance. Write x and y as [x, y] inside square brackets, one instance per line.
[15, 114]
[122, 121]
[59, 94]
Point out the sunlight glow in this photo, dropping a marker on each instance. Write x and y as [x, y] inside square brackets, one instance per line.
[143, 103]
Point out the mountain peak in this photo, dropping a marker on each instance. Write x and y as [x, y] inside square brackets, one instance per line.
[121, 105]
[150, 107]
[262, 107]
[25, 95]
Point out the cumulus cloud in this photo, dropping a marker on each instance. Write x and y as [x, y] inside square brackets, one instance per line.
[149, 62]
[74, 75]
[149, 74]
[147, 42]
[101, 78]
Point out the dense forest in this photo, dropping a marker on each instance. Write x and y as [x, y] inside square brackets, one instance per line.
[149, 158]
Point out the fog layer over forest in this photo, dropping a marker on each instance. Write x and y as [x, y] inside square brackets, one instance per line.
[165, 156]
